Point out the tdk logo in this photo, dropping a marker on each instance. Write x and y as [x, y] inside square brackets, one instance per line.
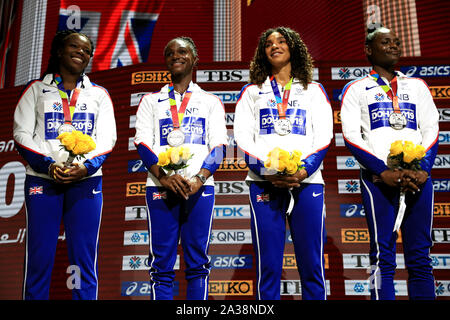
[227, 96]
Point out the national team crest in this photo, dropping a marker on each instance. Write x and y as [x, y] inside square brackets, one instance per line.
[263, 197]
[379, 97]
[159, 195]
[36, 190]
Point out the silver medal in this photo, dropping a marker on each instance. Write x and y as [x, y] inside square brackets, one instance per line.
[283, 127]
[66, 127]
[397, 120]
[175, 138]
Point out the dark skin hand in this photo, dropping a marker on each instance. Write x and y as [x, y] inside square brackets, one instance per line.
[196, 183]
[287, 181]
[65, 175]
[407, 180]
[176, 183]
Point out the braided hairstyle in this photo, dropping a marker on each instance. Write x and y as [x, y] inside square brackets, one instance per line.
[301, 61]
[373, 29]
[57, 44]
[190, 43]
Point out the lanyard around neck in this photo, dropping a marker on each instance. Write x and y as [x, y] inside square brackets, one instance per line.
[173, 106]
[391, 90]
[68, 105]
[281, 102]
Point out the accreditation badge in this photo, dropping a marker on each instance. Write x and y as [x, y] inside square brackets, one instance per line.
[282, 126]
[66, 127]
[397, 120]
[175, 138]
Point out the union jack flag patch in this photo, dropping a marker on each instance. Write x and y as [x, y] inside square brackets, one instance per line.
[36, 190]
[263, 197]
[159, 195]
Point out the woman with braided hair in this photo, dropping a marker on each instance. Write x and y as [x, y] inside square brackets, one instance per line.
[63, 100]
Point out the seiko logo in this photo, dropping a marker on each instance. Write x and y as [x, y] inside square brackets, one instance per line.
[442, 209]
[357, 235]
[230, 288]
[233, 164]
[150, 77]
[135, 189]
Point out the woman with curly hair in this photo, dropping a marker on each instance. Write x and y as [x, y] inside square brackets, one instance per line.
[282, 107]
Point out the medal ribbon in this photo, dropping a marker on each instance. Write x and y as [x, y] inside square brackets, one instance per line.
[391, 91]
[281, 103]
[68, 106]
[173, 106]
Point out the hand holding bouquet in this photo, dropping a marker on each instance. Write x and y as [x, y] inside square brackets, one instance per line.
[404, 155]
[77, 144]
[284, 162]
[175, 159]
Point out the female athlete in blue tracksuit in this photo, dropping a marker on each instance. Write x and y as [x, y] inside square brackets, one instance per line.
[180, 207]
[371, 121]
[302, 120]
[54, 192]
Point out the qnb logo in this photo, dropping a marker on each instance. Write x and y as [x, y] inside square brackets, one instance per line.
[74, 280]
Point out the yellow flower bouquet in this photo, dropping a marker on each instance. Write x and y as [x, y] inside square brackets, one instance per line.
[404, 155]
[77, 144]
[175, 159]
[284, 162]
